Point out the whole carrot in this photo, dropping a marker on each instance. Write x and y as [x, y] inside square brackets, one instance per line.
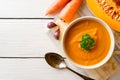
[70, 10]
[55, 6]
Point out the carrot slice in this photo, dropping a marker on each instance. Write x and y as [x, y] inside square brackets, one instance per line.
[55, 6]
[70, 10]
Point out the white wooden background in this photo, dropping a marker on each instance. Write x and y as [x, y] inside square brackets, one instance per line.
[24, 42]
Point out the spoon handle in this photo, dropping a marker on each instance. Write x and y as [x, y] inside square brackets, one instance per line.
[84, 77]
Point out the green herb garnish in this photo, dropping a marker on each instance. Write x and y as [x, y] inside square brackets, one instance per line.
[87, 42]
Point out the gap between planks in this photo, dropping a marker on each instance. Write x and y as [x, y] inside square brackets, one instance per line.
[24, 57]
[25, 18]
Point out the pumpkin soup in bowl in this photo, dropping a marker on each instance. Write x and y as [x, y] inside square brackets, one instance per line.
[88, 42]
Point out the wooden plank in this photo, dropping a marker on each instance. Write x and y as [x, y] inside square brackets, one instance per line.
[32, 69]
[25, 38]
[23, 8]
[116, 76]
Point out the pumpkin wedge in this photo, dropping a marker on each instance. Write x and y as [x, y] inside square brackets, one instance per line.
[107, 11]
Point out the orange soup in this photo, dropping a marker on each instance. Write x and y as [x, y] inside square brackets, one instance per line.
[73, 38]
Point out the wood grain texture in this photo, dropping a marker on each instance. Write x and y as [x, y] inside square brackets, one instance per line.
[32, 69]
[23, 8]
[19, 38]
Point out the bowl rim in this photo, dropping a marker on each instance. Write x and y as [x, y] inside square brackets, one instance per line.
[112, 45]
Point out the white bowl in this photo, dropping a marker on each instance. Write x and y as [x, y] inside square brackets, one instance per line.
[111, 45]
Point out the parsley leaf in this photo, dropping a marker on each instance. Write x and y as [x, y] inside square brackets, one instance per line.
[87, 42]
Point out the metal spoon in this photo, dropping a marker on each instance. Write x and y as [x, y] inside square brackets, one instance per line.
[57, 61]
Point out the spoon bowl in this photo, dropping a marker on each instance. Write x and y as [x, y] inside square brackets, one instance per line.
[57, 61]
